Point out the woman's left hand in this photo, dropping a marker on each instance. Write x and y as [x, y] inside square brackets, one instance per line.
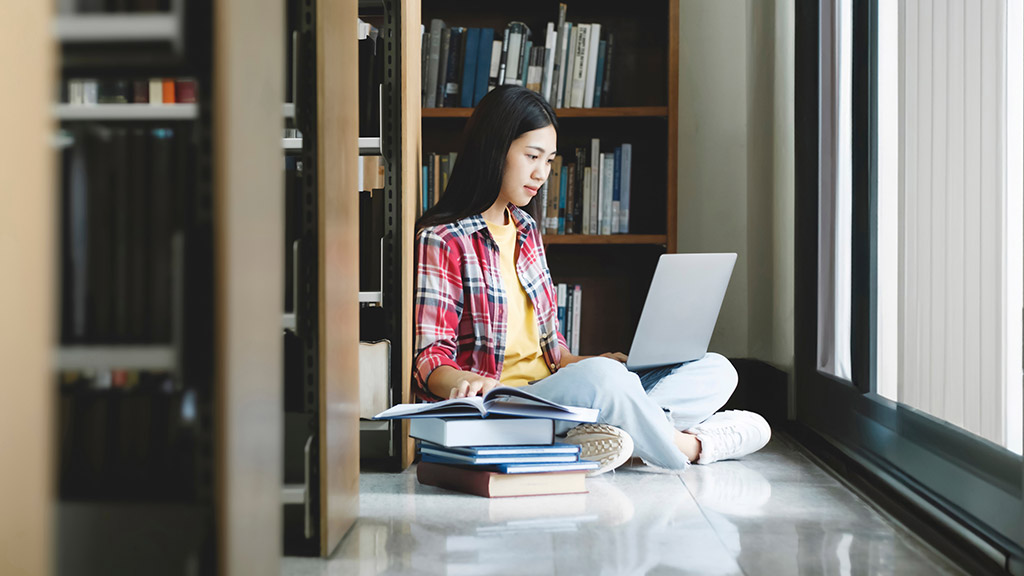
[616, 356]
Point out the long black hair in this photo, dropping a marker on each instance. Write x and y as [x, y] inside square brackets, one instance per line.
[503, 114]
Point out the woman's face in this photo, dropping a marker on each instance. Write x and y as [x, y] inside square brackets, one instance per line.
[527, 166]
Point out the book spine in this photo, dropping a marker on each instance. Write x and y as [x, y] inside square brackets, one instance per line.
[617, 192]
[512, 58]
[551, 226]
[562, 192]
[579, 67]
[624, 183]
[503, 62]
[570, 200]
[577, 311]
[560, 64]
[596, 200]
[561, 307]
[592, 46]
[570, 302]
[607, 76]
[599, 81]
[587, 192]
[469, 67]
[485, 48]
[434, 63]
[442, 67]
[496, 53]
[168, 90]
[156, 91]
[595, 174]
[550, 39]
[577, 212]
[606, 200]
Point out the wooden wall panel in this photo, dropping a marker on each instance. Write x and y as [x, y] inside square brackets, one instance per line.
[249, 279]
[338, 155]
[27, 304]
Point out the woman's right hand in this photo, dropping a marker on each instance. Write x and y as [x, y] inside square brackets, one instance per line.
[473, 385]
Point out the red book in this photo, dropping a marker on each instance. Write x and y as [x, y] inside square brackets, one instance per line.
[168, 90]
[489, 484]
[185, 91]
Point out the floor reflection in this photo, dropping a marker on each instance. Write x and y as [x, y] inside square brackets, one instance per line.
[773, 513]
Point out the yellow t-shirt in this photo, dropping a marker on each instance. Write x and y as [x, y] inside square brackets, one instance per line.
[524, 361]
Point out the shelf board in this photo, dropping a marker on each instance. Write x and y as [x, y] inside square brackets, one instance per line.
[141, 357]
[659, 239]
[118, 28]
[369, 147]
[611, 112]
[121, 112]
[293, 494]
[371, 298]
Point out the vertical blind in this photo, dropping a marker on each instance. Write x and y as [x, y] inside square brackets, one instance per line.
[959, 243]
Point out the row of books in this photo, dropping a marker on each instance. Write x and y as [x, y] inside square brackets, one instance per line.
[437, 166]
[570, 66]
[75, 6]
[570, 304]
[588, 192]
[134, 439]
[496, 445]
[123, 191]
[371, 77]
[87, 91]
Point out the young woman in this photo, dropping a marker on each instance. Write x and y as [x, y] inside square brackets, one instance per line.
[486, 311]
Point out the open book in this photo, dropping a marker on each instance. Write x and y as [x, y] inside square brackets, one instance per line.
[503, 400]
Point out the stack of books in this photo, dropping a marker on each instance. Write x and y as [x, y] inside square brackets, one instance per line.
[497, 445]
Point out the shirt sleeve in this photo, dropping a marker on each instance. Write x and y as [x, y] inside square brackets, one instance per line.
[437, 309]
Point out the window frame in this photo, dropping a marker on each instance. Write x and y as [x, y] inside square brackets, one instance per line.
[973, 487]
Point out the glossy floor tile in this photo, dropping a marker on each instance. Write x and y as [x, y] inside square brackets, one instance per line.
[773, 513]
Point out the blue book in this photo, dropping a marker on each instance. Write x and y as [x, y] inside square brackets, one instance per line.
[483, 64]
[535, 468]
[469, 67]
[426, 189]
[599, 77]
[428, 455]
[527, 450]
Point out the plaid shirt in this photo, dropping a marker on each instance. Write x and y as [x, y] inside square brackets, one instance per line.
[460, 302]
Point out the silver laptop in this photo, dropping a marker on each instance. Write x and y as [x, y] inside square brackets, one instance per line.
[681, 309]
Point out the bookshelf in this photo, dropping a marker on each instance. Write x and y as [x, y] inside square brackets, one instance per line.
[320, 487]
[201, 499]
[613, 270]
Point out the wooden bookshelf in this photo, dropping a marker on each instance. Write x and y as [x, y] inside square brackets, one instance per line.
[613, 270]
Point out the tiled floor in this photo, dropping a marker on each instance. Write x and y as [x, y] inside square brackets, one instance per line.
[773, 513]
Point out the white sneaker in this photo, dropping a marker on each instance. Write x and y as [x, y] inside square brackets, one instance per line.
[607, 445]
[730, 434]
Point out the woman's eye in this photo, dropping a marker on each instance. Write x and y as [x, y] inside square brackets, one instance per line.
[532, 156]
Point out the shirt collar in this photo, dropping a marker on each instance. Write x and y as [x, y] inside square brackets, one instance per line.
[522, 220]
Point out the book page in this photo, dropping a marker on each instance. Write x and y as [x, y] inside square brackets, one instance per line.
[472, 406]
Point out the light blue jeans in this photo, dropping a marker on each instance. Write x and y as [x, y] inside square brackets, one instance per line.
[685, 397]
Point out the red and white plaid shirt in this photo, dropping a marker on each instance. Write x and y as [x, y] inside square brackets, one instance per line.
[460, 302]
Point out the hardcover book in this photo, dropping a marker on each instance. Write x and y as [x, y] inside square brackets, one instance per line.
[454, 432]
[491, 484]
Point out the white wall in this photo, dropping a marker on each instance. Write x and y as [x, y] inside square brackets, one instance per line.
[736, 164]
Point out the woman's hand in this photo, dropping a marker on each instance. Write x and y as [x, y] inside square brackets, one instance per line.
[570, 358]
[616, 356]
[473, 385]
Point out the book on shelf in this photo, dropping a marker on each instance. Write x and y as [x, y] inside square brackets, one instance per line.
[462, 431]
[577, 306]
[588, 192]
[490, 484]
[569, 66]
[501, 400]
[442, 457]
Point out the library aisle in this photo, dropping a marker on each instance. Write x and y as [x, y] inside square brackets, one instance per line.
[774, 512]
